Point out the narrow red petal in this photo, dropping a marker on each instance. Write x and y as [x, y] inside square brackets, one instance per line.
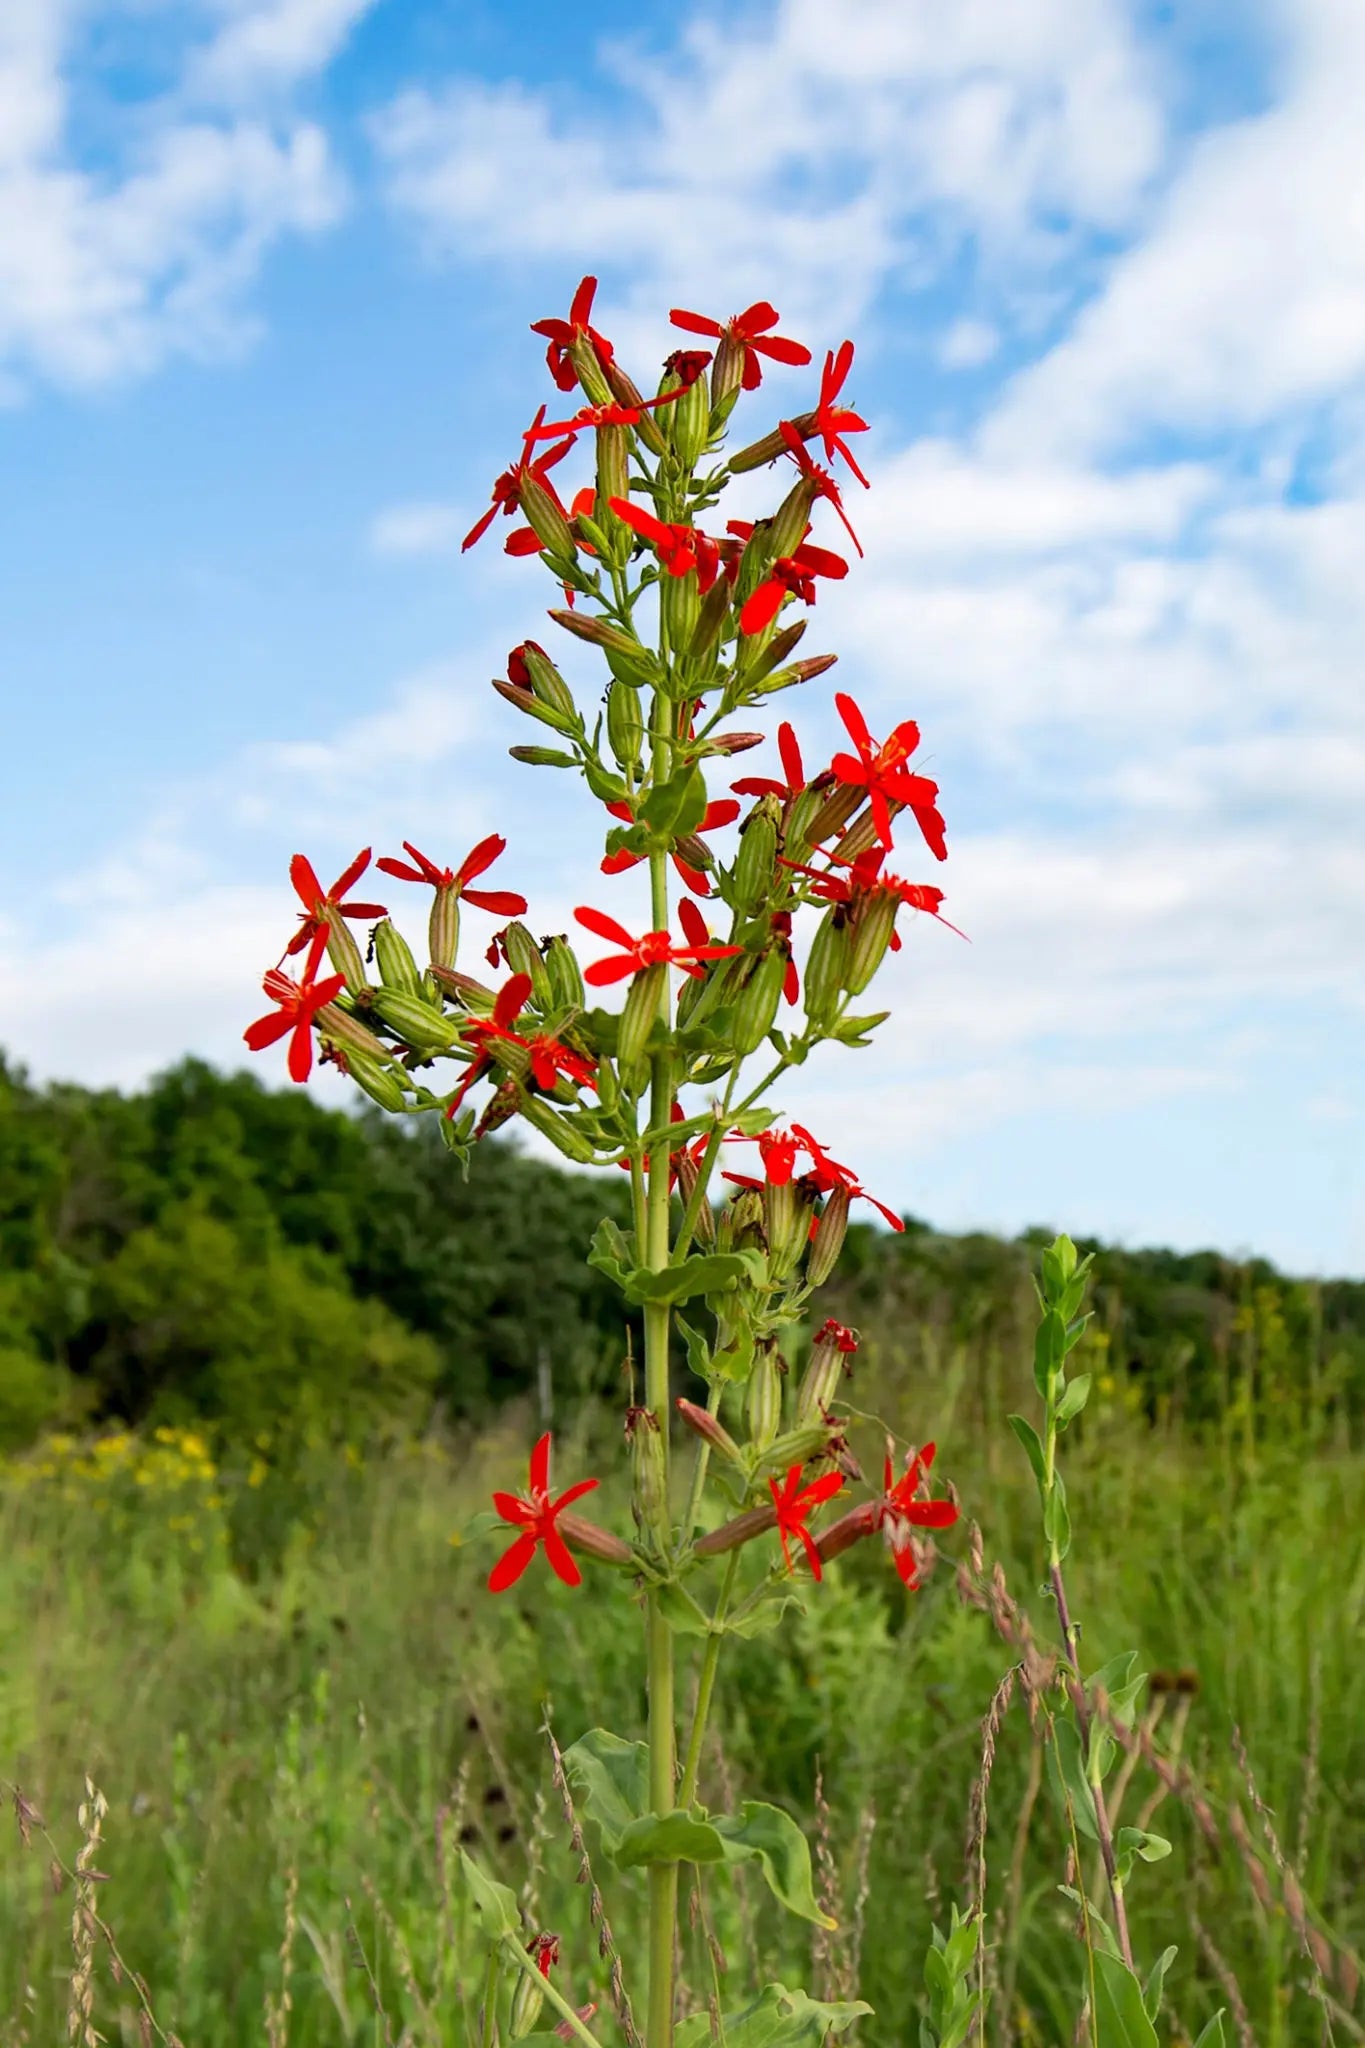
[351, 875]
[605, 971]
[604, 927]
[400, 870]
[308, 888]
[762, 607]
[580, 312]
[693, 923]
[695, 323]
[512, 1564]
[781, 350]
[502, 902]
[575, 1492]
[301, 1050]
[266, 1030]
[514, 1509]
[480, 857]
[540, 1465]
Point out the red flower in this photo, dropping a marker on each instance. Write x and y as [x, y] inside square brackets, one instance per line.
[828, 1175]
[653, 949]
[865, 879]
[535, 1517]
[837, 1334]
[790, 573]
[485, 1032]
[507, 489]
[322, 905]
[679, 548]
[550, 1058]
[723, 812]
[782, 929]
[898, 1511]
[825, 486]
[790, 752]
[609, 415]
[502, 902]
[747, 331]
[833, 421]
[883, 772]
[794, 1503]
[299, 1002]
[561, 335]
[777, 1150]
[687, 364]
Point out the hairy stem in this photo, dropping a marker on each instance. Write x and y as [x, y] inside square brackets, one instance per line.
[706, 1685]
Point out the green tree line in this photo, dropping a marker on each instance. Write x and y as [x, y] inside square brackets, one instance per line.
[210, 1248]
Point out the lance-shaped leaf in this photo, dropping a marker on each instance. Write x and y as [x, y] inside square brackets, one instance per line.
[495, 1905]
[778, 2018]
[1120, 2016]
[612, 1778]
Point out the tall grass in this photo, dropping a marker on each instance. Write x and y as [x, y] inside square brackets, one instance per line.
[296, 1699]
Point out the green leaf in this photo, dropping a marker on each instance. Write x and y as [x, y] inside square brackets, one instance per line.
[678, 805]
[1133, 1843]
[774, 1838]
[960, 1948]
[1156, 1982]
[702, 1273]
[681, 1611]
[763, 1615]
[1074, 1399]
[611, 1251]
[668, 1838]
[1211, 2036]
[1056, 1518]
[612, 1777]
[750, 1122]
[1049, 1349]
[698, 1350]
[734, 1361]
[478, 1526]
[778, 2018]
[1067, 1767]
[1120, 2016]
[495, 1905]
[1029, 1438]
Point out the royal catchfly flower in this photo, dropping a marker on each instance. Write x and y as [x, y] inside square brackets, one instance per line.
[831, 421]
[828, 1174]
[764, 785]
[825, 484]
[792, 575]
[883, 773]
[323, 906]
[535, 1514]
[485, 1033]
[562, 334]
[502, 902]
[653, 949]
[507, 489]
[794, 1504]
[723, 812]
[865, 880]
[748, 332]
[299, 1002]
[679, 548]
[898, 1512]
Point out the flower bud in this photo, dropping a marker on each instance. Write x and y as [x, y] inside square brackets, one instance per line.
[626, 391]
[850, 1528]
[679, 608]
[640, 1013]
[710, 618]
[347, 1031]
[826, 967]
[562, 1134]
[587, 626]
[828, 1239]
[791, 521]
[543, 757]
[566, 989]
[425, 1028]
[705, 1425]
[548, 686]
[756, 1004]
[344, 954]
[379, 1079]
[687, 421]
[839, 803]
[613, 467]
[873, 924]
[727, 375]
[769, 654]
[794, 1447]
[743, 1529]
[524, 956]
[564, 2032]
[503, 1105]
[799, 672]
[735, 742]
[533, 708]
[649, 1501]
[763, 1396]
[786, 1218]
[528, 1995]
[625, 724]
[689, 1173]
[472, 994]
[743, 1219]
[545, 517]
[393, 957]
[588, 366]
[594, 1541]
[443, 928]
[771, 446]
[756, 861]
[828, 1362]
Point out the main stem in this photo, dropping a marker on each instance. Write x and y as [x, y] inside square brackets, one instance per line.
[663, 1877]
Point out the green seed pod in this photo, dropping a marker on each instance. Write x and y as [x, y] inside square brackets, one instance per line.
[745, 1219]
[873, 925]
[626, 391]
[613, 465]
[347, 1031]
[796, 1447]
[687, 421]
[756, 1006]
[545, 519]
[625, 724]
[841, 800]
[642, 1007]
[380, 1082]
[756, 861]
[689, 1173]
[393, 957]
[743, 1529]
[679, 607]
[825, 1369]
[543, 757]
[562, 973]
[547, 684]
[583, 356]
[792, 518]
[562, 1134]
[649, 1499]
[425, 1028]
[344, 954]
[443, 928]
[533, 708]
[710, 1429]
[828, 1240]
[524, 957]
[711, 617]
[763, 1396]
[786, 1218]
[826, 967]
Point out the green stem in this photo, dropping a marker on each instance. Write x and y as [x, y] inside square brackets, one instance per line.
[490, 2000]
[706, 1685]
[699, 1471]
[568, 2013]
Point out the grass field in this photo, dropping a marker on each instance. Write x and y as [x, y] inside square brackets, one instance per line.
[297, 1699]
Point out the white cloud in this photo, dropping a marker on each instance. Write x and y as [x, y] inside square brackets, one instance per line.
[419, 529]
[968, 344]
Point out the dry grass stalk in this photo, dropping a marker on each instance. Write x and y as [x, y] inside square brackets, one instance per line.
[827, 1892]
[862, 1891]
[1231, 1989]
[606, 1943]
[1316, 1949]
[80, 2005]
[277, 2010]
[974, 1874]
[402, 1956]
[361, 1961]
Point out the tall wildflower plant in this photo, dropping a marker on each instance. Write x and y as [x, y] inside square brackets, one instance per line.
[773, 902]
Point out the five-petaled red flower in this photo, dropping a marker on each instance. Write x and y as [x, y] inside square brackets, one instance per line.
[679, 548]
[535, 1515]
[828, 1174]
[899, 1512]
[794, 1503]
[833, 421]
[825, 485]
[608, 415]
[507, 489]
[865, 879]
[723, 812]
[749, 331]
[484, 1033]
[777, 1150]
[561, 335]
[502, 902]
[794, 574]
[299, 1002]
[883, 772]
[764, 785]
[321, 905]
[654, 949]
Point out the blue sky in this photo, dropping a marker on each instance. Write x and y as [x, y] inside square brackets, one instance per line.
[266, 270]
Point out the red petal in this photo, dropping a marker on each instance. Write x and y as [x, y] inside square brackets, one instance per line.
[512, 1564]
[783, 351]
[482, 856]
[509, 1006]
[695, 323]
[349, 876]
[365, 910]
[580, 312]
[400, 870]
[513, 1509]
[502, 902]
[604, 927]
[524, 541]
[855, 725]
[790, 754]
[605, 971]
[762, 607]
[480, 527]
[693, 923]
[931, 1514]
[723, 812]
[693, 878]
[821, 562]
[617, 863]
[266, 1030]
[836, 371]
[561, 1558]
[644, 523]
[755, 319]
[308, 888]
[849, 769]
[575, 1492]
[301, 1050]
[812, 1554]
[540, 1465]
